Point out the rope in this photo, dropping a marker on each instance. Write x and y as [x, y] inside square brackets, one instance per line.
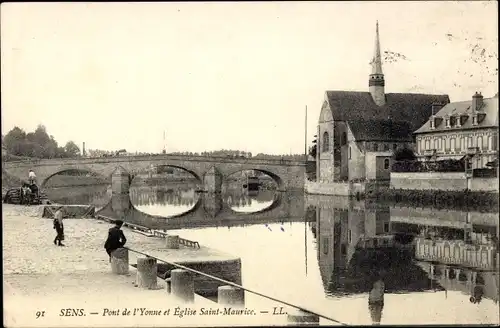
[238, 286]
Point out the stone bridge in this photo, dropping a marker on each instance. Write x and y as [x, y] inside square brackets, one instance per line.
[209, 211]
[211, 171]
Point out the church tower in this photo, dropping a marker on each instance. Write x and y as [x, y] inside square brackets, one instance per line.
[376, 81]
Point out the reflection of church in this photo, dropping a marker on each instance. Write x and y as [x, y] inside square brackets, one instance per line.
[361, 249]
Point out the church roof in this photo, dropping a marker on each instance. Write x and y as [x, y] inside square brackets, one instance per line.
[489, 107]
[402, 113]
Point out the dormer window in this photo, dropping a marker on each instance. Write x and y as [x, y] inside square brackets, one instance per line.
[458, 121]
[431, 122]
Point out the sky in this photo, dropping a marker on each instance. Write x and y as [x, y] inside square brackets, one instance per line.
[229, 75]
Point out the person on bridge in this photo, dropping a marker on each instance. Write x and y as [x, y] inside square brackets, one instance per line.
[31, 177]
[116, 238]
[58, 225]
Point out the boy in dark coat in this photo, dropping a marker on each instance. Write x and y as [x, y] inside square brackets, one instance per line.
[116, 238]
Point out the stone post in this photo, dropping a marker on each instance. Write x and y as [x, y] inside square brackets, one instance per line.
[297, 317]
[212, 181]
[147, 273]
[172, 241]
[229, 295]
[182, 285]
[119, 261]
[120, 181]
[168, 281]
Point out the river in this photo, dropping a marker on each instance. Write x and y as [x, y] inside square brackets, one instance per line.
[329, 253]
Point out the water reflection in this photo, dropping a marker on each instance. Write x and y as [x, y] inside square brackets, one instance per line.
[356, 261]
[374, 250]
[167, 202]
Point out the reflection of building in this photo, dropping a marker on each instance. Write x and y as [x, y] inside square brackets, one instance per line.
[358, 253]
[363, 246]
[460, 129]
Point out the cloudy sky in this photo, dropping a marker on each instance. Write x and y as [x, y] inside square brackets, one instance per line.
[226, 75]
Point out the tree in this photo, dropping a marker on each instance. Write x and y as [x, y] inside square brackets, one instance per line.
[15, 141]
[71, 149]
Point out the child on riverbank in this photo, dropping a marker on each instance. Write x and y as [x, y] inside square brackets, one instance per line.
[59, 226]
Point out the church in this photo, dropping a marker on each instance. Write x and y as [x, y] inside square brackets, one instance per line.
[358, 131]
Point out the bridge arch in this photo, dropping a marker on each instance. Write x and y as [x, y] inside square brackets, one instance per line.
[158, 165]
[73, 169]
[276, 178]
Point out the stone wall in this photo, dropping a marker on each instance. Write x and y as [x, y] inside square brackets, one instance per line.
[456, 181]
[331, 188]
[429, 180]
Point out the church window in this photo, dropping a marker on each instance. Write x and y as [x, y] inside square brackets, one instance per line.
[349, 236]
[344, 138]
[349, 152]
[326, 142]
[375, 146]
[325, 246]
[386, 164]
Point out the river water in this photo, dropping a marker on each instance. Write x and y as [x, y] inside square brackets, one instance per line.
[330, 253]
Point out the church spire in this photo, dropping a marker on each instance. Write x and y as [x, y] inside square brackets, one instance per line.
[376, 81]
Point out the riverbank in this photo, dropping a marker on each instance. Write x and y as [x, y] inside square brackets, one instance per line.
[39, 276]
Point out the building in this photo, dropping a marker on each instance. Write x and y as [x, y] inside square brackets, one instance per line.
[359, 131]
[459, 129]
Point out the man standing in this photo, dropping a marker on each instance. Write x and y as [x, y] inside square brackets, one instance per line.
[32, 177]
[116, 238]
[58, 225]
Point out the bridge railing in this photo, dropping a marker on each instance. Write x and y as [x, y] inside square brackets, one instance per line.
[150, 232]
[153, 156]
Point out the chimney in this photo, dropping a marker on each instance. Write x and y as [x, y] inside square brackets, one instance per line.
[84, 153]
[477, 101]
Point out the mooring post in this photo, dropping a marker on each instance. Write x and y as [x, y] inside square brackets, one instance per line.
[147, 273]
[229, 295]
[119, 261]
[182, 285]
[168, 281]
[296, 317]
[172, 241]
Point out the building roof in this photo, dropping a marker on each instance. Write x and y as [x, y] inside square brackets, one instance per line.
[490, 108]
[402, 113]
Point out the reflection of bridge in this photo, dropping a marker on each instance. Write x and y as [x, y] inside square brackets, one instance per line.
[212, 171]
[209, 211]
[179, 197]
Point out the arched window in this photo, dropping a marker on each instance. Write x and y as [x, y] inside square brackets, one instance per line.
[343, 140]
[490, 143]
[375, 146]
[480, 142]
[427, 144]
[326, 142]
[452, 144]
[386, 164]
